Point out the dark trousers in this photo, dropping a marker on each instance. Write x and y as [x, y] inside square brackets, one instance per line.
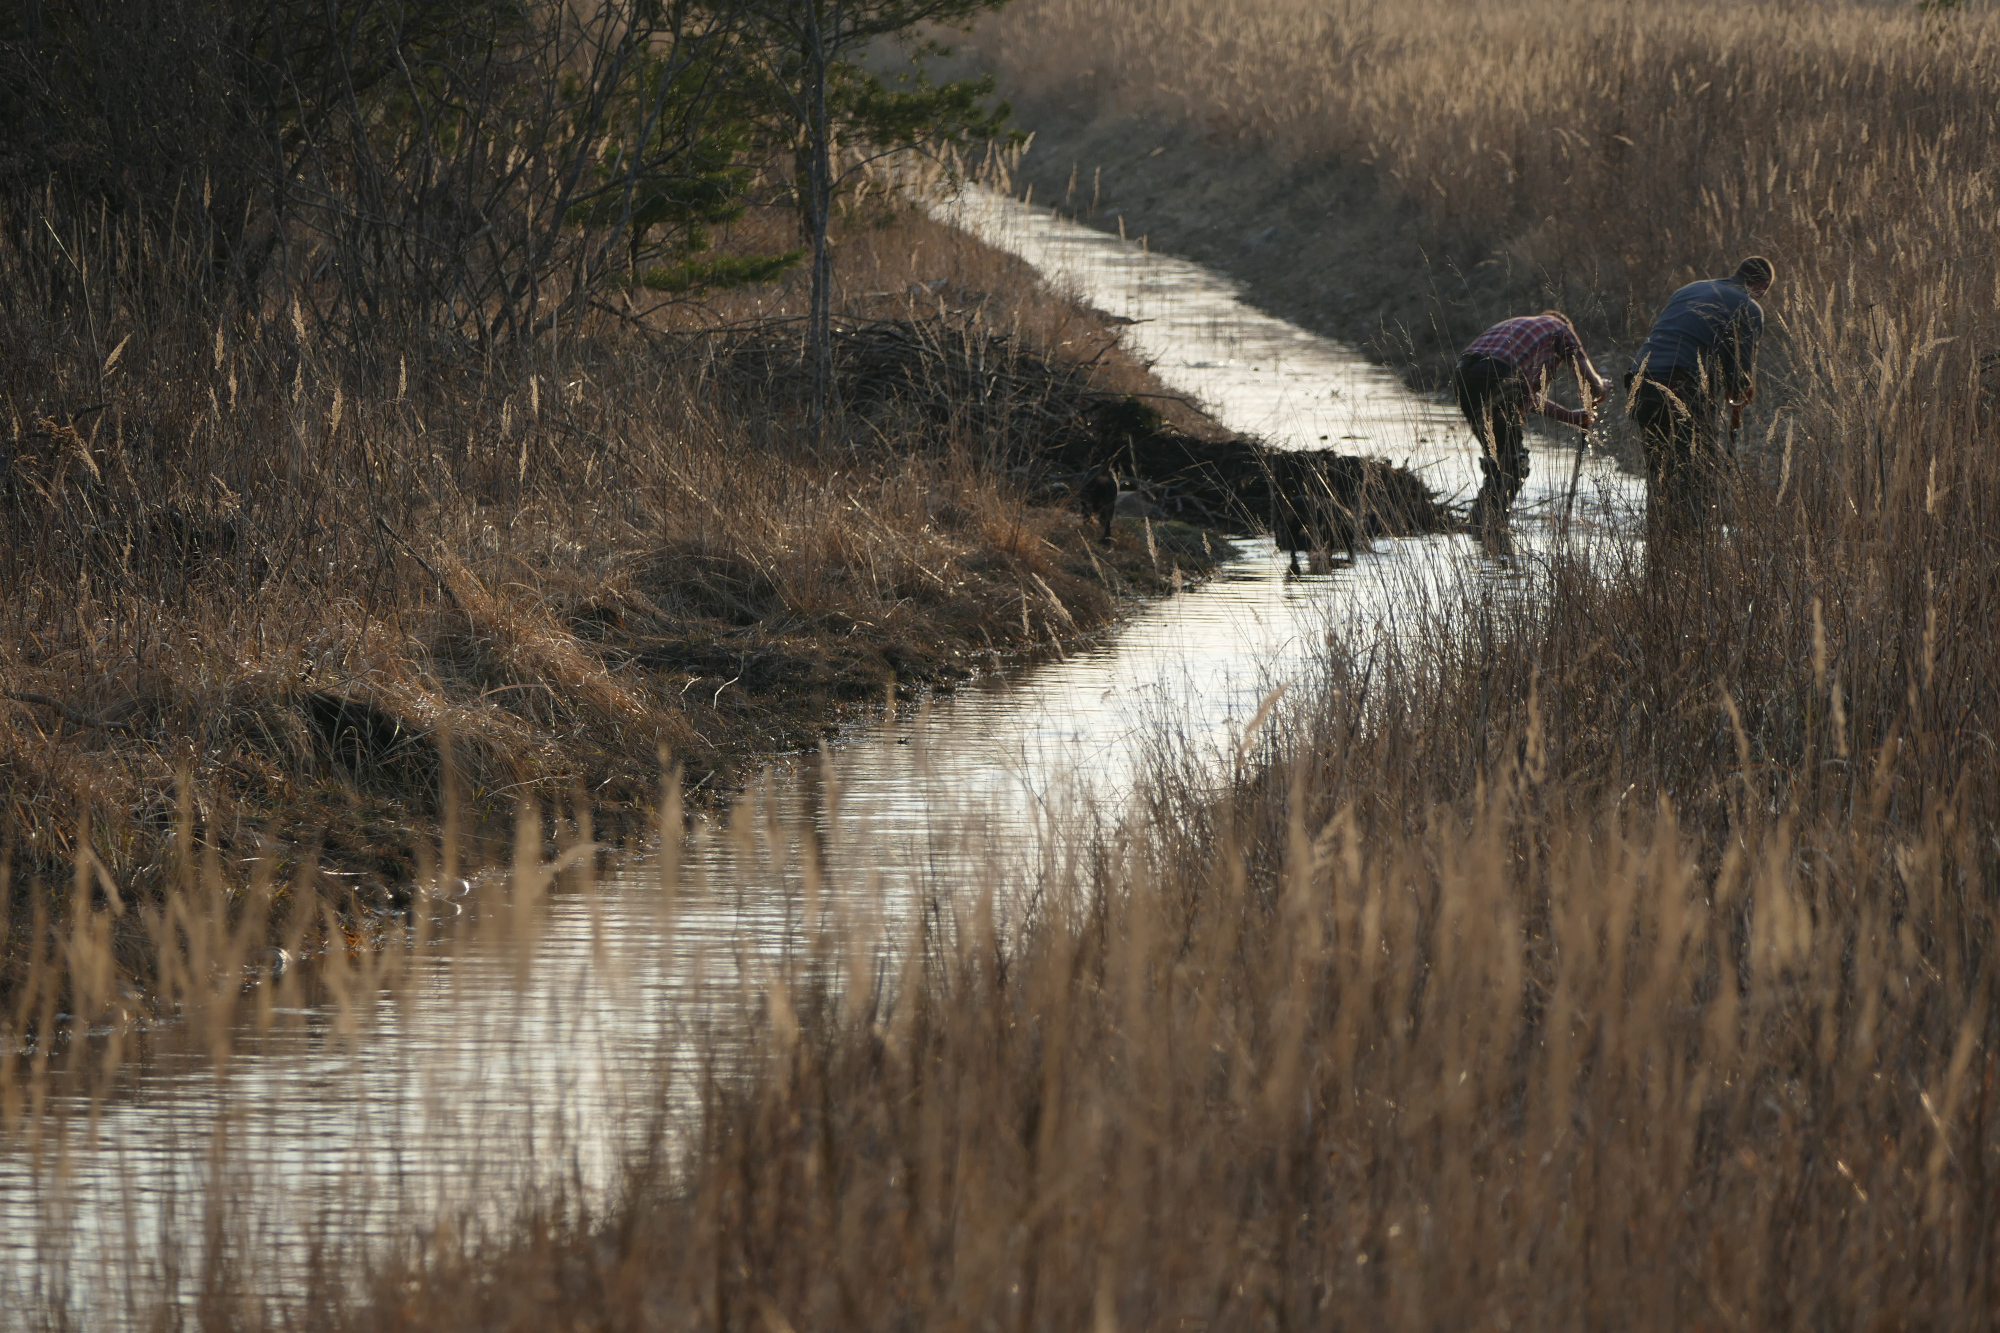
[1677, 413]
[1494, 400]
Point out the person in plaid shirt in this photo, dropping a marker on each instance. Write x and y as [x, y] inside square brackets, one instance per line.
[1502, 376]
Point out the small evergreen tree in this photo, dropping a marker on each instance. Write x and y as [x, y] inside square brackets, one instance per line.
[677, 166]
[807, 54]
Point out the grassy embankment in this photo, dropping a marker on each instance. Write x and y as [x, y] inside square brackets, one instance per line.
[1621, 959]
[270, 595]
[1417, 174]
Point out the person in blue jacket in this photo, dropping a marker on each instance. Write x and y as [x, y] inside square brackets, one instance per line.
[1700, 356]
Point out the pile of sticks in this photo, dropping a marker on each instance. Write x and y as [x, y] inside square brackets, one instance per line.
[1040, 415]
[963, 380]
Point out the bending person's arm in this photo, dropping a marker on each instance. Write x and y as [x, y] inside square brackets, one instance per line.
[1739, 355]
[1594, 385]
[1580, 417]
[1569, 349]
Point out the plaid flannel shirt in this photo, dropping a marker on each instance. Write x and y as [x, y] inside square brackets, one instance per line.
[1535, 346]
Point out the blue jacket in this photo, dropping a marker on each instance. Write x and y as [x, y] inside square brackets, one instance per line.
[1710, 325]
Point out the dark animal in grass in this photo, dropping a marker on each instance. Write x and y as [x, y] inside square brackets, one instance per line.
[1316, 502]
[1098, 498]
[1119, 423]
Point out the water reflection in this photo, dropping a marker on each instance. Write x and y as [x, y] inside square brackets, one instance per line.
[434, 1088]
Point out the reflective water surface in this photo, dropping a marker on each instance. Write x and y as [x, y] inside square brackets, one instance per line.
[434, 1087]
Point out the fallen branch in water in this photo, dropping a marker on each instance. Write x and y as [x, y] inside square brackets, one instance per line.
[81, 719]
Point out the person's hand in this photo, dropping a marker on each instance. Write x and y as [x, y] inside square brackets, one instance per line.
[1599, 391]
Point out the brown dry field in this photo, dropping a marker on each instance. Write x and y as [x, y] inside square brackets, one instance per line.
[1623, 957]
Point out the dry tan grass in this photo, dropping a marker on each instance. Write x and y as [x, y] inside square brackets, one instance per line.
[1377, 1080]
[1622, 959]
[1611, 152]
[1507, 1068]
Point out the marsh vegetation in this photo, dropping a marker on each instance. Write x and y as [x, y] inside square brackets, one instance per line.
[1623, 955]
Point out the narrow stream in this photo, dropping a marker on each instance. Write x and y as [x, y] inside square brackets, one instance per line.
[509, 1061]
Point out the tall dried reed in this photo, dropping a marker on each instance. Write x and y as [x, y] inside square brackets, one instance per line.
[1623, 957]
[1489, 1064]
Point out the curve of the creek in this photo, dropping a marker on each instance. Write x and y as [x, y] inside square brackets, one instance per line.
[512, 1061]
